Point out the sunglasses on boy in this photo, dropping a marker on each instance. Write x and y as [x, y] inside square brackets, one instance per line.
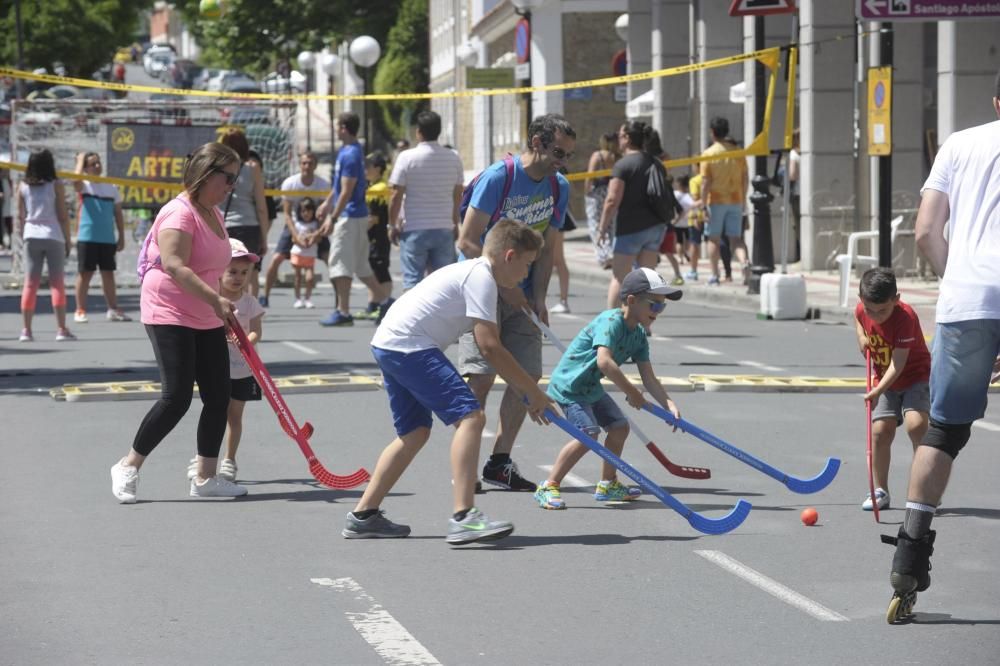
[656, 307]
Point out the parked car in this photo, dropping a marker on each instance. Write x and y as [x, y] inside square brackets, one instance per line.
[157, 58]
[60, 91]
[182, 73]
[276, 84]
[240, 85]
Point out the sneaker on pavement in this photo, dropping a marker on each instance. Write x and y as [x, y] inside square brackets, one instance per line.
[881, 496]
[507, 476]
[227, 469]
[298, 304]
[615, 491]
[192, 469]
[263, 300]
[562, 307]
[370, 312]
[216, 487]
[337, 318]
[309, 304]
[549, 497]
[677, 281]
[80, 317]
[63, 335]
[713, 281]
[124, 480]
[375, 527]
[477, 526]
[691, 275]
[117, 315]
[383, 309]
[25, 336]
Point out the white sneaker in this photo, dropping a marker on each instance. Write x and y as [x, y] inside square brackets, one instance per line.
[881, 496]
[562, 307]
[309, 304]
[216, 487]
[63, 334]
[193, 469]
[298, 304]
[117, 315]
[80, 317]
[227, 469]
[124, 480]
[25, 336]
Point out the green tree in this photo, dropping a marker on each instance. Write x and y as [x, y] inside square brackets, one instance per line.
[81, 34]
[404, 67]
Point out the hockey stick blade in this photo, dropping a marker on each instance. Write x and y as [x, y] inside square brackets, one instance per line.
[793, 483]
[682, 471]
[287, 421]
[703, 524]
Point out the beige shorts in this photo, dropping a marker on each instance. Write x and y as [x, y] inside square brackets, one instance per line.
[349, 248]
[518, 335]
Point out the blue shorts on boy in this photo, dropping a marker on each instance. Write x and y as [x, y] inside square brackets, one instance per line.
[592, 417]
[577, 379]
[408, 344]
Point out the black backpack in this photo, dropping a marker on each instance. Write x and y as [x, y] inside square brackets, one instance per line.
[659, 193]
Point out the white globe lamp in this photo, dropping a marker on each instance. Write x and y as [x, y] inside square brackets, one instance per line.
[365, 51]
[621, 27]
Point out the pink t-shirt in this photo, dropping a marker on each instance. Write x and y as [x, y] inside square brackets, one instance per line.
[163, 300]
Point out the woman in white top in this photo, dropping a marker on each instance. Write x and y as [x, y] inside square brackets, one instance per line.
[43, 224]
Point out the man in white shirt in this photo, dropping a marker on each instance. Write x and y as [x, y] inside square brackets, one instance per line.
[963, 190]
[427, 179]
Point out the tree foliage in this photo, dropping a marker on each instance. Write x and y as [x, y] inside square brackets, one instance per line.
[404, 67]
[81, 34]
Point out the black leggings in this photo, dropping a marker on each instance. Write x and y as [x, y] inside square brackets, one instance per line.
[186, 355]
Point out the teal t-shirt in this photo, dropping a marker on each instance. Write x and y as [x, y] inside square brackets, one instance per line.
[576, 377]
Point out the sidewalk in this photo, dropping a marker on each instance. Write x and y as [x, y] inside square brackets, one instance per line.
[822, 286]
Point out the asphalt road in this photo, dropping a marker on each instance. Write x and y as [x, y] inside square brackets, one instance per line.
[267, 579]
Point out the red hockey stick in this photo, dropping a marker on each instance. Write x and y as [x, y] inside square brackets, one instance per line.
[677, 470]
[287, 421]
[868, 410]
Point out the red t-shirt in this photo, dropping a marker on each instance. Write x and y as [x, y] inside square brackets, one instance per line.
[900, 331]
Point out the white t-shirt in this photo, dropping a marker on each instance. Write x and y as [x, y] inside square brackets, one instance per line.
[429, 172]
[687, 203]
[967, 169]
[294, 182]
[440, 308]
[40, 220]
[247, 308]
[303, 228]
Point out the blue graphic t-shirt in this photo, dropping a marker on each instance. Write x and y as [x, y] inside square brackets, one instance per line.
[97, 212]
[576, 378]
[351, 164]
[528, 201]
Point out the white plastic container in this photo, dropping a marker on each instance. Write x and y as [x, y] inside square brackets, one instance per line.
[783, 296]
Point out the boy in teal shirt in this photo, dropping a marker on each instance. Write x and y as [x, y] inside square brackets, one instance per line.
[612, 338]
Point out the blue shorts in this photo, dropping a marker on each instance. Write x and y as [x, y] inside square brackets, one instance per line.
[724, 220]
[422, 382]
[591, 417]
[961, 364]
[647, 239]
[694, 234]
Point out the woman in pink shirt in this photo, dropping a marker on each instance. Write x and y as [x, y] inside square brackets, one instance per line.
[185, 317]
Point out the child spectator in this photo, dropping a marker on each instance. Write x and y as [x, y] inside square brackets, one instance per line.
[612, 338]
[690, 222]
[890, 331]
[43, 224]
[419, 379]
[379, 246]
[304, 251]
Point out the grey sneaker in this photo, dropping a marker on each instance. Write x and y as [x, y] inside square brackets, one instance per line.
[375, 527]
[477, 526]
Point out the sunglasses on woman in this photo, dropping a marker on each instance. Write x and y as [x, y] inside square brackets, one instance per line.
[231, 178]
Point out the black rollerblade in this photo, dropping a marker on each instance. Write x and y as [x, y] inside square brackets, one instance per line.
[911, 567]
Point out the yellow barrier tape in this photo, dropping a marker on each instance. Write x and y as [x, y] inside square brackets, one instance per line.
[769, 57]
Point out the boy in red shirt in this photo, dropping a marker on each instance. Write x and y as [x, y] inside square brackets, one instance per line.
[890, 330]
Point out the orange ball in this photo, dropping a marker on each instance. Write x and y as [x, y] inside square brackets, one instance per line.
[809, 516]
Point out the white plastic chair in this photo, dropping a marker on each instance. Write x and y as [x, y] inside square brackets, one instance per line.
[847, 261]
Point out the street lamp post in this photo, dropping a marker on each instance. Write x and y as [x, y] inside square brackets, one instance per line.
[330, 64]
[307, 61]
[365, 52]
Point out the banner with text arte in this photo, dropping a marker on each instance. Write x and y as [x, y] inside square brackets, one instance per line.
[152, 152]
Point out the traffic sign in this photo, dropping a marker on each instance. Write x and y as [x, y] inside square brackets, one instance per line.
[880, 111]
[761, 7]
[925, 10]
[522, 41]
[522, 72]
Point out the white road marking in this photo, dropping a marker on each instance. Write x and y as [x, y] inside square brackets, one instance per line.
[302, 348]
[388, 637]
[570, 480]
[986, 425]
[772, 587]
[567, 316]
[488, 433]
[759, 365]
[662, 338]
[702, 350]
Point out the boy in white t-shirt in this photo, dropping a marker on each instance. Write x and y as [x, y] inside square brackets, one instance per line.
[419, 379]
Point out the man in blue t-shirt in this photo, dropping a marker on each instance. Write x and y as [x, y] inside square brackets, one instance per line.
[535, 199]
[348, 220]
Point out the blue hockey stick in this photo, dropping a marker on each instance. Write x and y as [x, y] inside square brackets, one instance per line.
[703, 524]
[793, 483]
